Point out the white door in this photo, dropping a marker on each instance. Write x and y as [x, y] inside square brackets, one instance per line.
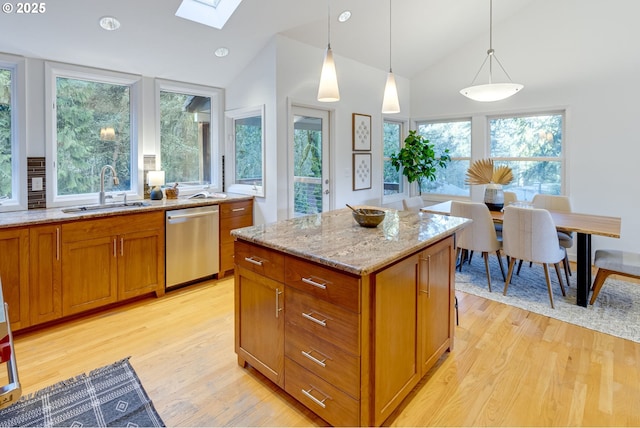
[309, 169]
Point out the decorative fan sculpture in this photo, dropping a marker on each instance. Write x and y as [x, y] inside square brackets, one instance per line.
[483, 171]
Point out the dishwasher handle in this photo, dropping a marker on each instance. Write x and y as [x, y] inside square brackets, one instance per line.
[191, 215]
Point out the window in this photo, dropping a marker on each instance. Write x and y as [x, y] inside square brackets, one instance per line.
[532, 146]
[93, 125]
[188, 122]
[392, 178]
[456, 136]
[12, 148]
[247, 150]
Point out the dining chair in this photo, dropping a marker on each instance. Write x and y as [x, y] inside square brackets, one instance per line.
[479, 236]
[530, 234]
[509, 198]
[413, 203]
[562, 204]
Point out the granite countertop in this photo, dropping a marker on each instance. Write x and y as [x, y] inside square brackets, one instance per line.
[55, 215]
[334, 238]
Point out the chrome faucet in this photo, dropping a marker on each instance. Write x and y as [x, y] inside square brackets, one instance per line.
[102, 197]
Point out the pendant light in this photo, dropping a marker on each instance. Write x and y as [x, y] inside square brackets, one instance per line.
[491, 91]
[328, 90]
[390, 103]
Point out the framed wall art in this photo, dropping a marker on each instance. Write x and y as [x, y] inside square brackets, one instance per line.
[361, 132]
[361, 171]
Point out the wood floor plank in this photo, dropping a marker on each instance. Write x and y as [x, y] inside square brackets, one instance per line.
[509, 367]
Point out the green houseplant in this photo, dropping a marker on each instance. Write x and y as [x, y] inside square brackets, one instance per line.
[418, 159]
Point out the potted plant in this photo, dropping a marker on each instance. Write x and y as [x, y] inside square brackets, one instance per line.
[483, 171]
[419, 160]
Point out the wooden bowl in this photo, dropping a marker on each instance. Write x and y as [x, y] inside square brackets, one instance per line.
[367, 217]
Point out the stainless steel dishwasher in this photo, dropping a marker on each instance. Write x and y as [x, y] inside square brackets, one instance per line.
[191, 244]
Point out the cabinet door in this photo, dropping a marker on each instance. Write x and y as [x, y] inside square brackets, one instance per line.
[89, 274]
[259, 323]
[436, 295]
[139, 269]
[45, 277]
[396, 350]
[14, 271]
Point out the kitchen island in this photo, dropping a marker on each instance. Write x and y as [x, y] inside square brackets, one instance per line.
[346, 319]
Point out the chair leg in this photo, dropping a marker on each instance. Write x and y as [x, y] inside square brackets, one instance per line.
[546, 277]
[598, 283]
[512, 262]
[557, 266]
[567, 271]
[456, 306]
[470, 256]
[485, 256]
[504, 278]
[519, 267]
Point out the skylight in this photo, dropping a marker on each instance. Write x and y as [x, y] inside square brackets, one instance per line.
[214, 13]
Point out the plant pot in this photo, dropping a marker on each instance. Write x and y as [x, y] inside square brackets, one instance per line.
[494, 197]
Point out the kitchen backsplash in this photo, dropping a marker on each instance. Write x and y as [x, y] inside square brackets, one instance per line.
[36, 169]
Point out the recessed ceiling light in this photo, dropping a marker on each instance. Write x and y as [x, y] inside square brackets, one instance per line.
[221, 52]
[344, 16]
[109, 23]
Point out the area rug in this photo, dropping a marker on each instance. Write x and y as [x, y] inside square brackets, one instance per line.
[616, 311]
[110, 396]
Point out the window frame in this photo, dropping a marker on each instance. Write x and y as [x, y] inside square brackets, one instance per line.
[54, 70]
[544, 112]
[446, 196]
[230, 117]
[396, 197]
[18, 200]
[215, 129]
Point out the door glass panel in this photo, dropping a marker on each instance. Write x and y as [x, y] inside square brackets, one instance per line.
[307, 168]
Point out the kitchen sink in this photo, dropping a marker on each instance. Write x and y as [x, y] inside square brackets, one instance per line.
[104, 207]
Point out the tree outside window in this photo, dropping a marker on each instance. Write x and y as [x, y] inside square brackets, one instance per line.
[393, 182]
[93, 129]
[6, 179]
[532, 146]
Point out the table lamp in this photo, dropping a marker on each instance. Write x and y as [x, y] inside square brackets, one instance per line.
[155, 179]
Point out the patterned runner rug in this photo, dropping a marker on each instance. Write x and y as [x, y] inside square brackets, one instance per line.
[616, 310]
[108, 396]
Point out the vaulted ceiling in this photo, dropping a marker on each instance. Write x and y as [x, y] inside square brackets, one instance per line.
[153, 41]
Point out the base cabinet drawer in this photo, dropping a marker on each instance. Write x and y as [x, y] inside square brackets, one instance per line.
[321, 397]
[324, 359]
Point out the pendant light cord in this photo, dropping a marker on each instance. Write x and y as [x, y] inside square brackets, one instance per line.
[329, 24]
[390, 70]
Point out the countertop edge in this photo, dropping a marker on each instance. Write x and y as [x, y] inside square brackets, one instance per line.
[34, 217]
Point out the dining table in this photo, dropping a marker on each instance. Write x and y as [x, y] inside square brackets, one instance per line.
[584, 225]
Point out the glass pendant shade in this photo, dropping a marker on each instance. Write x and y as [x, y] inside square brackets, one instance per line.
[390, 103]
[328, 90]
[491, 91]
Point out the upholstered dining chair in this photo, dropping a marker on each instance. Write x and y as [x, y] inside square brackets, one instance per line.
[562, 204]
[530, 234]
[509, 198]
[480, 235]
[413, 203]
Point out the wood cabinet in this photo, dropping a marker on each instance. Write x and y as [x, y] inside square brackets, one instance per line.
[259, 301]
[45, 273]
[111, 259]
[353, 346]
[14, 272]
[233, 215]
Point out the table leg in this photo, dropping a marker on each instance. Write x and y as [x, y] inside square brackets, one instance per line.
[583, 268]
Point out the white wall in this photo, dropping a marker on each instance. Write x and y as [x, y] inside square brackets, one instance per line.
[545, 48]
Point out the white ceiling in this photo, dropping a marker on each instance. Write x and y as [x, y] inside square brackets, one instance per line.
[152, 41]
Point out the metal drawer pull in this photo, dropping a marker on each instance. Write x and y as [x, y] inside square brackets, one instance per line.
[237, 209]
[314, 399]
[428, 260]
[314, 319]
[254, 261]
[314, 359]
[278, 308]
[315, 284]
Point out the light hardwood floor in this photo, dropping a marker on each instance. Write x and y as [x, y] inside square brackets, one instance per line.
[509, 367]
